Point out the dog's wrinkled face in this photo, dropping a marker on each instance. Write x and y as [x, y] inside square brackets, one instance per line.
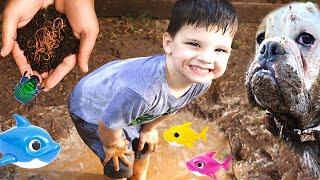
[283, 76]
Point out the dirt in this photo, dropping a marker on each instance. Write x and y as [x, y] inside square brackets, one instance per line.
[257, 154]
[47, 39]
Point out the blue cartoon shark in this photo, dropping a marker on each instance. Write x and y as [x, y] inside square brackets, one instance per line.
[27, 146]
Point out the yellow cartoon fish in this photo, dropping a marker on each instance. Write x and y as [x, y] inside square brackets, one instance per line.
[182, 135]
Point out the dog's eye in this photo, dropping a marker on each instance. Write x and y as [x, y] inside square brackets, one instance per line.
[305, 39]
[260, 37]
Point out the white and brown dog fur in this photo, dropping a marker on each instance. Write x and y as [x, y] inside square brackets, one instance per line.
[284, 77]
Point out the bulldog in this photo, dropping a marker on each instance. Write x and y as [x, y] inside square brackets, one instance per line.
[284, 77]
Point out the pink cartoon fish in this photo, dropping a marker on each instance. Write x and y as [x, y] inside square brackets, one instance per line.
[206, 165]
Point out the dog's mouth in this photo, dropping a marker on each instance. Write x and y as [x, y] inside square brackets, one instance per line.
[265, 72]
[265, 89]
[277, 88]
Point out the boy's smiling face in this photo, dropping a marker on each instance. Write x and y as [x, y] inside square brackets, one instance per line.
[197, 54]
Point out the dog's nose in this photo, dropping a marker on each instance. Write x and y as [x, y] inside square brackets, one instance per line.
[270, 51]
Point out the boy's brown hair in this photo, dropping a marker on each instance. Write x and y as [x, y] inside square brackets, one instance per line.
[203, 13]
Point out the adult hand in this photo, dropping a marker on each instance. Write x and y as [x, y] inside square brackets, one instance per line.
[149, 136]
[83, 21]
[17, 14]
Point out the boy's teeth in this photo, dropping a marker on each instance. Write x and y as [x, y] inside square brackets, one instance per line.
[200, 69]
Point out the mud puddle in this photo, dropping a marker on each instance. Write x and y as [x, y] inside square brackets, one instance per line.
[167, 163]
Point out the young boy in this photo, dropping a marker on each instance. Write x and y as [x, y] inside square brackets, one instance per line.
[117, 107]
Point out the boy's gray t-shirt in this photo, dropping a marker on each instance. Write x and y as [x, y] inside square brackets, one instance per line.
[128, 92]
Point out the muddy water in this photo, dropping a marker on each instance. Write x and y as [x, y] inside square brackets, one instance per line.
[167, 163]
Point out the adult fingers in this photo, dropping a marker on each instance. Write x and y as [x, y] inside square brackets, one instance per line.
[87, 42]
[16, 14]
[116, 163]
[21, 60]
[59, 72]
[44, 75]
[9, 29]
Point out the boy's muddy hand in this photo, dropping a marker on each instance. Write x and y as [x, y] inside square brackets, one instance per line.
[150, 137]
[118, 151]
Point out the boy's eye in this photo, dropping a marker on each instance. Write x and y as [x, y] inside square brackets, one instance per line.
[194, 44]
[221, 50]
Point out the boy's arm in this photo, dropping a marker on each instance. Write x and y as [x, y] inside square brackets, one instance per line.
[114, 145]
[108, 136]
[149, 134]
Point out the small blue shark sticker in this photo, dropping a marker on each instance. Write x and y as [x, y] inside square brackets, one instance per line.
[27, 146]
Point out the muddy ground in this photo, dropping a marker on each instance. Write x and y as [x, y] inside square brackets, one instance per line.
[258, 155]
